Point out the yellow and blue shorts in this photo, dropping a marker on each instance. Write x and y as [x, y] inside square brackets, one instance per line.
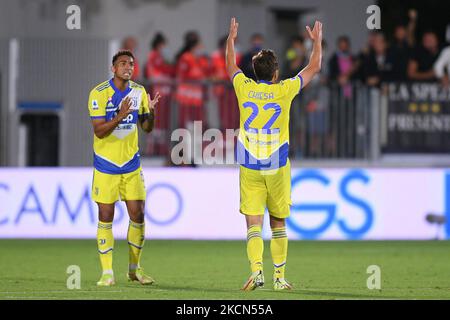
[261, 189]
[107, 188]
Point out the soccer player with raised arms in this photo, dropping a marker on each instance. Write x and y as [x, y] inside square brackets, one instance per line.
[116, 107]
[262, 151]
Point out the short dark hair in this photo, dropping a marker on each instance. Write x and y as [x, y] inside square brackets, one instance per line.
[265, 64]
[191, 39]
[157, 40]
[122, 53]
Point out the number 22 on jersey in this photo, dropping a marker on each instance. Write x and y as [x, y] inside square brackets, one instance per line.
[267, 127]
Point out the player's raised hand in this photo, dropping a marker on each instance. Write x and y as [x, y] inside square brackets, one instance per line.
[125, 108]
[233, 29]
[152, 103]
[316, 33]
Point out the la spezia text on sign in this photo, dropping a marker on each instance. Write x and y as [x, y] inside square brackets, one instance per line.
[419, 107]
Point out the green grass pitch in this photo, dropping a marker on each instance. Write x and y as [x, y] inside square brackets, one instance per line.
[36, 269]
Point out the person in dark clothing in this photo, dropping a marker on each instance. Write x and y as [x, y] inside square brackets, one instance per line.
[379, 65]
[295, 57]
[400, 52]
[341, 64]
[402, 46]
[420, 66]
[363, 56]
[257, 41]
[341, 67]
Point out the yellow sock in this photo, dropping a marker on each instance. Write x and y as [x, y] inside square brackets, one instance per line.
[255, 247]
[278, 248]
[136, 238]
[105, 243]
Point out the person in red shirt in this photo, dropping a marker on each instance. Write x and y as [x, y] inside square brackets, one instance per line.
[218, 67]
[224, 94]
[158, 68]
[160, 73]
[191, 69]
[130, 43]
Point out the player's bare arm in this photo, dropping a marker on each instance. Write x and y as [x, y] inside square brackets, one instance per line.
[103, 128]
[147, 121]
[230, 53]
[315, 60]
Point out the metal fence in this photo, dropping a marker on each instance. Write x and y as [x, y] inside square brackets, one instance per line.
[334, 122]
[326, 121]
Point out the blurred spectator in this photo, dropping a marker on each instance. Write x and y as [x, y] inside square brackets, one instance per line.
[363, 56]
[404, 34]
[256, 44]
[400, 51]
[158, 67]
[420, 66]
[317, 101]
[224, 94]
[295, 58]
[218, 66]
[130, 43]
[341, 65]
[205, 63]
[442, 67]
[160, 72]
[403, 44]
[379, 63]
[190, 70]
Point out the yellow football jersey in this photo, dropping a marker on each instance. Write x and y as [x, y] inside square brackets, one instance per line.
[118, 153]
[263, 141]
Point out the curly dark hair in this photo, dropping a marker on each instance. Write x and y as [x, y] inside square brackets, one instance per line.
[122, 53]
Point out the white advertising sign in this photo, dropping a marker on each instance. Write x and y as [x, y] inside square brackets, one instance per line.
[185, 203]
